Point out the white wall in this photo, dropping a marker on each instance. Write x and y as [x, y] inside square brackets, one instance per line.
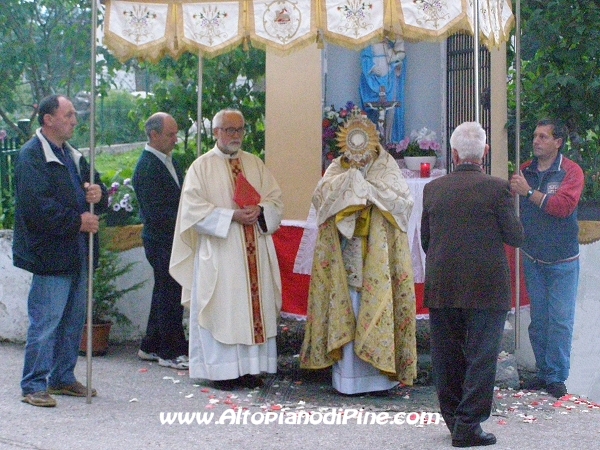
[135, 305]
[585, 355]
[15, 283]
[14, 289]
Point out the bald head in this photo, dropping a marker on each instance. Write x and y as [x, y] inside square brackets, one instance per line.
[161, 130]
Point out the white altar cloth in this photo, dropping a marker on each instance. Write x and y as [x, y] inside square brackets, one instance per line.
[303, 263]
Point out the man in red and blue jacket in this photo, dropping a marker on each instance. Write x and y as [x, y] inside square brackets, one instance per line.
[551, 186]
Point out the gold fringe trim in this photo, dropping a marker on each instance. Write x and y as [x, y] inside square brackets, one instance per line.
[175, 44]
[120, 239]
[589, 231]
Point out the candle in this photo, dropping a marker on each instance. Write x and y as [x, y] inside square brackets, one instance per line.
[425, 170]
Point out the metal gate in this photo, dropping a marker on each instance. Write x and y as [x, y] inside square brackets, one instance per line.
[460, 89]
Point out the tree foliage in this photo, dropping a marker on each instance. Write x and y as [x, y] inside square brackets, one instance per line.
[560, 58]
[228, 80]
[44, 49]
[560, 64]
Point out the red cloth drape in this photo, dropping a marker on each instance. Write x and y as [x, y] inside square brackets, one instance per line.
[295, 286]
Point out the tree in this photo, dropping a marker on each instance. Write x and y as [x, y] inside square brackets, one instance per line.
[560, 64]
[561, 79]
[44, 49]
[229, 80]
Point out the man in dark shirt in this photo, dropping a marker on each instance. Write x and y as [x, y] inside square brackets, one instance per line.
[157, 182]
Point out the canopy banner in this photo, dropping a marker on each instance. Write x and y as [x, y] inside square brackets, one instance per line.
[151, 29]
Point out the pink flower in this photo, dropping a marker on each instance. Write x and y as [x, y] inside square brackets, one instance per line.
[403, 144]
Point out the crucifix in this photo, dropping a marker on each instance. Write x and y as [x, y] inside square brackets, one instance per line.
[382, 106]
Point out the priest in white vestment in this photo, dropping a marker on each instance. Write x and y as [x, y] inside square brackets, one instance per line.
[224, 258]
[361, 306]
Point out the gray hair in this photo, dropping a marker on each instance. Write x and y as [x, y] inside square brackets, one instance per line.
[469, 140]
[218, 118]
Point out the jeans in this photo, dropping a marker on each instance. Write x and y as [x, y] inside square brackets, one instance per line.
[552, 289]
[57, 311]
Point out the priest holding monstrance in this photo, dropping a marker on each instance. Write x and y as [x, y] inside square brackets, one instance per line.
[361, 306]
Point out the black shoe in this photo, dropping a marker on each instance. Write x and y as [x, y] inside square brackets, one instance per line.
[450, 424]
[535, 384]
[384, 393]
[251, 381]
[226, 385]
[557, 389]
[475, 440]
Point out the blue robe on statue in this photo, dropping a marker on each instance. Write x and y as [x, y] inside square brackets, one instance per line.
[370, 84]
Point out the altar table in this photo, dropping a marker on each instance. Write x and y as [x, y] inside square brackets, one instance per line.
[295, 242]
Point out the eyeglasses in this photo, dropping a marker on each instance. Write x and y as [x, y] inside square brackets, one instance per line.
[230, 131]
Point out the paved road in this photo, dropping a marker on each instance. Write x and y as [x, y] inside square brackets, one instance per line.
[133, 394]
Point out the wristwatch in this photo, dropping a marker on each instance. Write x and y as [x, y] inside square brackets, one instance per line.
[529, 193]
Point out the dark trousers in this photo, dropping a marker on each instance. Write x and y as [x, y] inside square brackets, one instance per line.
[464, 350]
[164, 333]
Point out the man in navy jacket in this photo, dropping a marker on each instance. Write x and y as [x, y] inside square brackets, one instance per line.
[51, 235]
[157, 182]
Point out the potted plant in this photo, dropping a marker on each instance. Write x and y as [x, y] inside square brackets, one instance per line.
[123, 225]
[123, 206]
[420, 146]
[105, 298]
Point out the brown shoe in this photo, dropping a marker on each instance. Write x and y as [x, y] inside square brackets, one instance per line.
[75, 390]
[41, 398]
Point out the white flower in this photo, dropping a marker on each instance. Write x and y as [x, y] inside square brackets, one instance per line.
[116, 207]
[424, 134]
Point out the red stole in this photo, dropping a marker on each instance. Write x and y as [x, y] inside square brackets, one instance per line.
[250, 239]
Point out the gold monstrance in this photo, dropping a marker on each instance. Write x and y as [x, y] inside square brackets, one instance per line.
[358, 139]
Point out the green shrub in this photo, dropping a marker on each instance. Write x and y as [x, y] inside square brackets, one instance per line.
[113, 123]
[106, 292]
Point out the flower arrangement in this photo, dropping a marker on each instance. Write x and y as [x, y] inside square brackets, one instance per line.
[333, 120]
[123, 207]
[419, 143]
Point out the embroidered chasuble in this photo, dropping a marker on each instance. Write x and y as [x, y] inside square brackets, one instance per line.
[362, 243]
[229, 271]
